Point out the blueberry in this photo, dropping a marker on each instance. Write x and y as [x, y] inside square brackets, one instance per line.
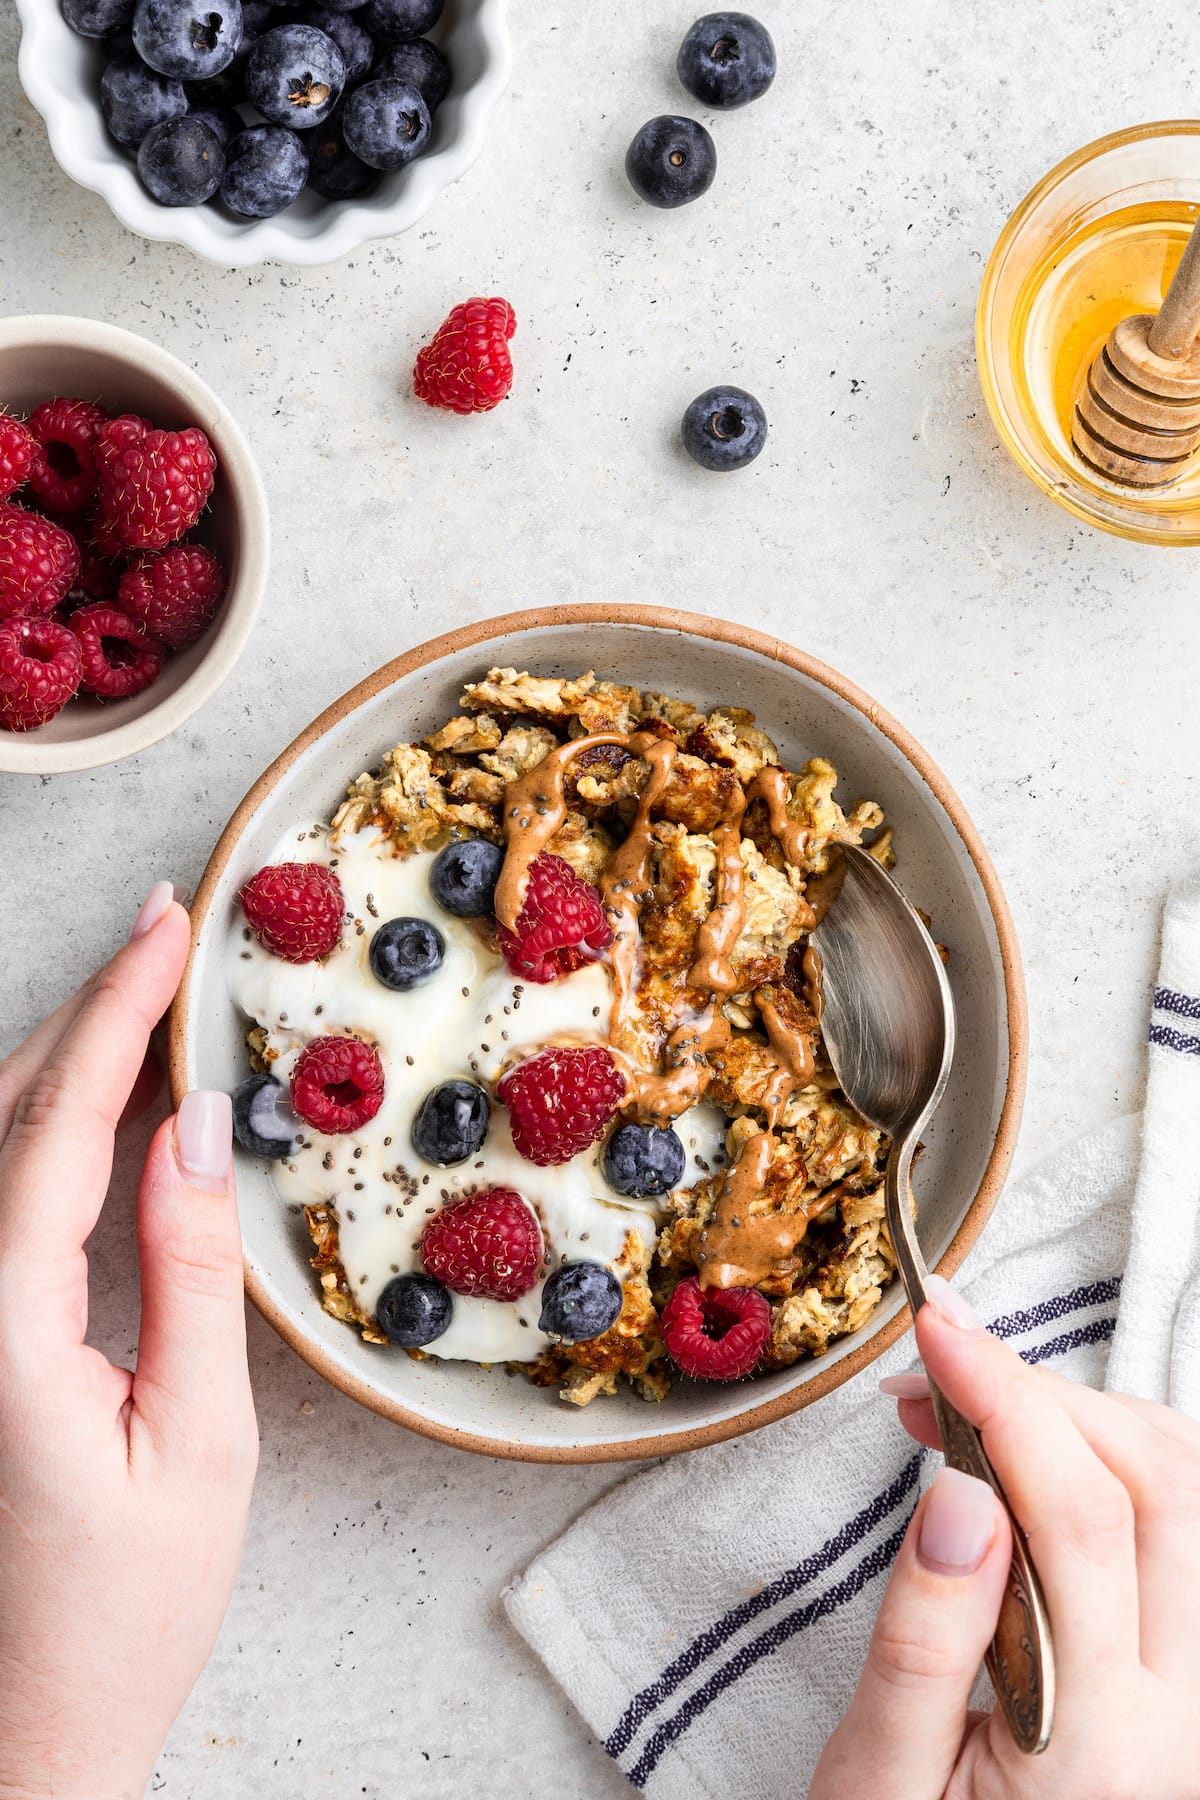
[181, 162]
[399, 21]
[464, 877]
[263, 1120]
[386, 123]
[413, 1310]
[295, 75]
[98, 18]
[256, 18]
[643, 1160]
[724, 428]
[225, 121]
[356, 45]
[579, 1301]
[422, 65]
[265, 168]
[451, 1123]
[726, 59]
[333, 171]
[177, 38]
[406, 952]
[671, 161]
[133, 98]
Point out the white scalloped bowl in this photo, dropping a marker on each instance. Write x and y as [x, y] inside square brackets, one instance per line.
[61, 71]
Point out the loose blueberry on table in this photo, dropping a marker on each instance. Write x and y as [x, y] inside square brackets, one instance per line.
[727, 59]
[671, 161]
[724, 429]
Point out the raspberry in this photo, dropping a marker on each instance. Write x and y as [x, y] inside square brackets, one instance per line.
[560, 1100]
[106, 539]
[337, 1084]
[487, 1243]
[561, 925]
[40, 667]
[119, 660]
[174, 593]
[18, 448]
[153, 485]
[296, 910]
[466, 367]
[64, 468]
[38, 562]
[716, 1334]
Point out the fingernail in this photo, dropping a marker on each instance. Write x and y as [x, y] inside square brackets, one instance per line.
[958, 1521]
[180, 895]
[204, 1139]
[153, 907]
[950, 1303]
[905, 1387]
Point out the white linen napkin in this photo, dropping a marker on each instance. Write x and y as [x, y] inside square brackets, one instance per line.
[709, 1617]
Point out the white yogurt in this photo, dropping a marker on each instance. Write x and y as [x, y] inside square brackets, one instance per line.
[462, 1024]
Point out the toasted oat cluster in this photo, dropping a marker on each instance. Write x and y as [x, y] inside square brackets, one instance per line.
[816, 1248]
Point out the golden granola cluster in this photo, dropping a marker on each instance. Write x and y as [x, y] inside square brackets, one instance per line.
[455, 782]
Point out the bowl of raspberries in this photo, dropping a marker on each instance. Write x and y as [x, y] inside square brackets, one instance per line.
[133, 544]
[259, 132]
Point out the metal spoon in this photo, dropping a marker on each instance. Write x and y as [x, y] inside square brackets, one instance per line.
[889, 1027]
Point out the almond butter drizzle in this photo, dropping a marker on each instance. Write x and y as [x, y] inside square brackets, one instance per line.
[535, 808]
[739, 1248]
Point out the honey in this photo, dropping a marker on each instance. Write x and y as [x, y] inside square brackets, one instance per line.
[1096, 240]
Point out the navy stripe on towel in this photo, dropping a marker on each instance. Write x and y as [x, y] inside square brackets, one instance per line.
[1014, 1324]
[1186, 1005]
[1175, 1040]
[703, 1646]
[873, 1564]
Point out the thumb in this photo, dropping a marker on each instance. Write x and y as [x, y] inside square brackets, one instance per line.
[191, 1389]
[905, 1726]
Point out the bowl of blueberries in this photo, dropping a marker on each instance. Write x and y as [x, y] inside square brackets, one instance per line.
[254, 132]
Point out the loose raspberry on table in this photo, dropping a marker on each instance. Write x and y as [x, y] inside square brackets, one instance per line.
[296, 910]
[337, 1084]
[40, 666]
[715, 1334]
[39, 561]
[119, 660]
[64, 468]
[18, 447]
[466, 367]
[174, 593]
[489, 1243]
[561, 926]
[152, 485]
[560, 1100]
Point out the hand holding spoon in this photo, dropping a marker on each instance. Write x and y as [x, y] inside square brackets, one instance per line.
[888, 1026]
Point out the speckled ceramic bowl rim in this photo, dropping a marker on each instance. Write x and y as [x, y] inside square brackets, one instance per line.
[505, 630]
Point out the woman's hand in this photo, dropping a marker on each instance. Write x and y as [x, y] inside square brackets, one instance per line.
[123, 1498]
[1108, 1491]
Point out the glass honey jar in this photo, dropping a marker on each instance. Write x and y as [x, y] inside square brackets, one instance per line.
[1098, 238]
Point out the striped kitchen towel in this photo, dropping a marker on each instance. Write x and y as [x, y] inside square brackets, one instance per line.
[709, 1616]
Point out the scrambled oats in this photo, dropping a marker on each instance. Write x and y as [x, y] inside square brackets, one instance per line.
[826, 1164]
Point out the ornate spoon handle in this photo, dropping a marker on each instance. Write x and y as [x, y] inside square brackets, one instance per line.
[1020, 1659]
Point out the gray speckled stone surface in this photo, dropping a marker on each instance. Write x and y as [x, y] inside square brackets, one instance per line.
[833, 270]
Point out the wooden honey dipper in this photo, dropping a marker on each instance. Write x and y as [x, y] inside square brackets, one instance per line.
[1137, 420]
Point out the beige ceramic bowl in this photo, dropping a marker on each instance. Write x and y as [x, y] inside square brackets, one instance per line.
[808, 709]
[44, 356]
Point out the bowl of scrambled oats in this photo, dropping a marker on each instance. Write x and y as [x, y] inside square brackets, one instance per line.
[506, 961]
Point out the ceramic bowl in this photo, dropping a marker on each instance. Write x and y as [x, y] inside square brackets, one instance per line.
[61, 71]
[44, 356]
[808, 709]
